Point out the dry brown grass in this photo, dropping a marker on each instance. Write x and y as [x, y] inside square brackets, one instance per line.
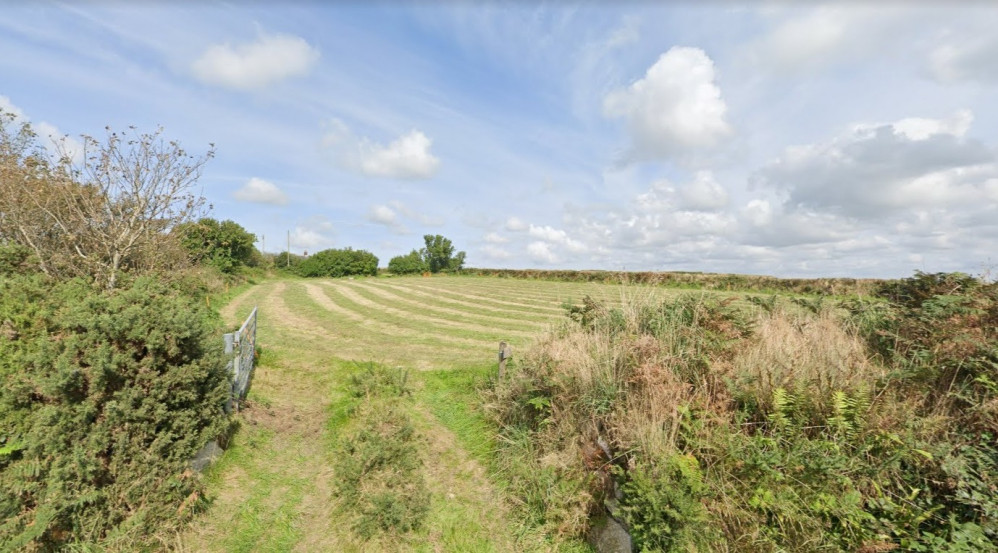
[802, 352]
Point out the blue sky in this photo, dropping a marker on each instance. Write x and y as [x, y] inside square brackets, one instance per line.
[767, 138]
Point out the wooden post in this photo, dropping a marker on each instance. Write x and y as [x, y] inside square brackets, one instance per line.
[505, 352]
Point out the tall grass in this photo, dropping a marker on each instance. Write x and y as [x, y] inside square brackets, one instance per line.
[710, 425]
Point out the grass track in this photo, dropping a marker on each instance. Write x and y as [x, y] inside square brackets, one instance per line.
[274, 486]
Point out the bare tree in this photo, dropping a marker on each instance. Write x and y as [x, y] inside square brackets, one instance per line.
[100, 211]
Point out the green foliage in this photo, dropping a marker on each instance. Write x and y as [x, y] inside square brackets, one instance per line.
[379, 466]
[439, 254]
[379, 381]
[436, 256]
[224, 245]
[662, 506]
[411, 263]
[339, 263]
[105, 398]
[15, 259]
[287, 261]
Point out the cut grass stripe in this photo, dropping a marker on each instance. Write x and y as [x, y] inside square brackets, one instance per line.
[453, 296]
[407, 319]
[428, 306]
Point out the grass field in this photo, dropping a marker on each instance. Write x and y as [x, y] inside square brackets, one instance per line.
[274, 487]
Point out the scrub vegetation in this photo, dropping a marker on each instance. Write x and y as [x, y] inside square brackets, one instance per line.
[789, 424]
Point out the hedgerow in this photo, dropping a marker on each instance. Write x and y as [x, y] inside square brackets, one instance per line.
[104, 399]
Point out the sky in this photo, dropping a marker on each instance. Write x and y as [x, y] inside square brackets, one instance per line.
[840, 140]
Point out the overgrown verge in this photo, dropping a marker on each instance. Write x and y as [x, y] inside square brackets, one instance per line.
[105, 396]
[379, 465]
[706, 427]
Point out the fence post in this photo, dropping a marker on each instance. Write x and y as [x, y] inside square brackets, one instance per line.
[505, 352]
[229, 340]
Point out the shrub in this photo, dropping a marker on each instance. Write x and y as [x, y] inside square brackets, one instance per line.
[339, 263]
[662, 506]
[379, 464]
[411, 263]
[105, 398]
[224, 245]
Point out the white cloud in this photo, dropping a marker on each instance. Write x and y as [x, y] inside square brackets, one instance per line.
[406, 157]
[674, 109]
[541, 252]
[515, 224]
[703, 194]
[265, 61]
[257, 190]
[8, 107]
[918, 128]
[557, 236]
[382, 214]
[878, 170]
[495, 238]
[57, 144]
[314, 234]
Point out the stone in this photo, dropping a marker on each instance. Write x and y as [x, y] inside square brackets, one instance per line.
[607, 535]
[206, 455]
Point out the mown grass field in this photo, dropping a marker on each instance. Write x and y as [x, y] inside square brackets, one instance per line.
[274, 489]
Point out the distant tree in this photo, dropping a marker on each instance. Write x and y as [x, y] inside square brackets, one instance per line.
[225, 245]
[439, 254]
[338, 263]
[411, 263]
[287, 261]
[106, 210]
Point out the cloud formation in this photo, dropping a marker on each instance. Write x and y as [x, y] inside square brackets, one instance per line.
[257, 190]
[540, 252]
[314, 234]
[878, 170]
[250, 65]
[674, 109]
[407, 157]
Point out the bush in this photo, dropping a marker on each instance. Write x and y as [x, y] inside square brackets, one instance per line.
[105, 399]
[412, 263]
[224, 245]
[339, 263]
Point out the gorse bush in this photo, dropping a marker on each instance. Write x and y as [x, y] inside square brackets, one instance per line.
[769, 425]
[379, 466]
[104, 400]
